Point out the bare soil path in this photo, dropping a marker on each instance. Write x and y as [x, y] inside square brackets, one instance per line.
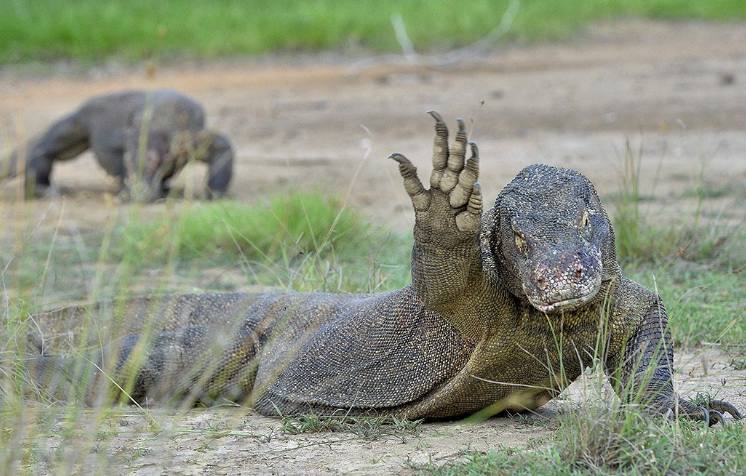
[234, 441]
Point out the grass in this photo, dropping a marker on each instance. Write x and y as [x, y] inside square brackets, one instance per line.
[303, 241]
[604, 441]
[601, 434]
[87, 30]
[295, 224]
[695, 264]
[641, 240]
[703, 305]
[366, 427]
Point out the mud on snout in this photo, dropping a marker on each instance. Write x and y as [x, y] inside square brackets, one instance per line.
[557, 281]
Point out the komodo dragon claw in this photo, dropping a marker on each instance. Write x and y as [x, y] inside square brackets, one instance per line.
[717, 409]
[454, 200]
[713, 412]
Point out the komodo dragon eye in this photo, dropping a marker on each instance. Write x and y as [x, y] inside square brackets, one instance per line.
[585, 223]
[520, 242]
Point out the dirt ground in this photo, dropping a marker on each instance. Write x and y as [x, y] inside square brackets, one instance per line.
[675, 92]
[230, 441]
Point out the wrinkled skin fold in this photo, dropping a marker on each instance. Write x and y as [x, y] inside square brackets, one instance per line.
[505, 309]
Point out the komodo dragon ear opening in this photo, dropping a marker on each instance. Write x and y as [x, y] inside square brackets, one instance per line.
[489, 241]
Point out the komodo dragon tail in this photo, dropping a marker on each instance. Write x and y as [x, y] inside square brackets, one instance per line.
[166, 348]
[50, 375]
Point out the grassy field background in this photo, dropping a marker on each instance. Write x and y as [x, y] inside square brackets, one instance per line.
[89, 30]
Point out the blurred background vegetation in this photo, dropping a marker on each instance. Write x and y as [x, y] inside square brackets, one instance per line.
[91, 30]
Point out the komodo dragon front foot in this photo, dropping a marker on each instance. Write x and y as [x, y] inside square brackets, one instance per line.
[449, 212]
[712, 411]
[446, 260]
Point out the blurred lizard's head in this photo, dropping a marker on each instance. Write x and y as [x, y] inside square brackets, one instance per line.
[148, 163]
[549, 240]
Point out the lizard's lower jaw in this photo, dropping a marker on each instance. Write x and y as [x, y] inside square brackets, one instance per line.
[566, 304]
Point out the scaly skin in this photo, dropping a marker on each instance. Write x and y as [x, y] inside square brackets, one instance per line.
[141, 138]
[504, 311]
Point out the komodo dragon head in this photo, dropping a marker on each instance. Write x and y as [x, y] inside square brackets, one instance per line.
[166, 152]
[549, 240]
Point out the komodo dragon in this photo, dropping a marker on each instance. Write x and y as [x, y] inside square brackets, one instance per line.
[503, 312]
[141, 138]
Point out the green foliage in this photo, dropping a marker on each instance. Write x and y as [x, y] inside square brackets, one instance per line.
[135, 29]
[627, 218]
[693, 263]
[607, 441]
[642, 241]
[302, 241]
[305, 222]
[366, 427]
[704, 305]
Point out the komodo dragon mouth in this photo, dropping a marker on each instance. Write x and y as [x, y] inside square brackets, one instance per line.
[564, 282]
[565, 305]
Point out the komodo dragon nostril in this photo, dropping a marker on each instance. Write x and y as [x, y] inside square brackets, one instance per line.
[578, 271]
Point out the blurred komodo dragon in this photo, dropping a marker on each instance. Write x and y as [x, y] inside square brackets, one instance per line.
[143, 138]
[503, 312]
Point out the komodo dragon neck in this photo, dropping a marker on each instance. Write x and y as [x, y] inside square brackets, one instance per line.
[513, 335]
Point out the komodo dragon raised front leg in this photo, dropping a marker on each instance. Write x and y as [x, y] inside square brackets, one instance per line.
[505, 309]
